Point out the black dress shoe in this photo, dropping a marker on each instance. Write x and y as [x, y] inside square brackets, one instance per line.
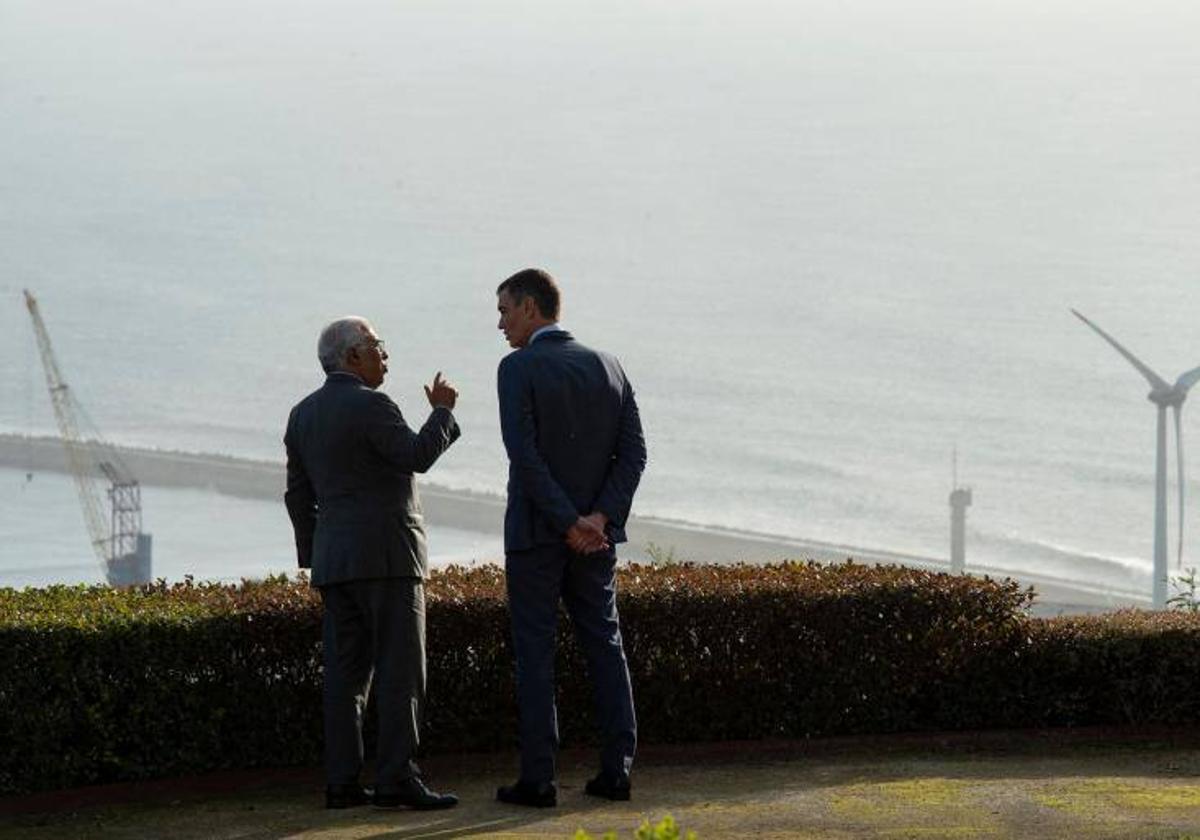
[606, 787]
[544, 795]
[346, 796]
[412, 793]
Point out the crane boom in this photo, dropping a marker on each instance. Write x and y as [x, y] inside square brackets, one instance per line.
[123, 551]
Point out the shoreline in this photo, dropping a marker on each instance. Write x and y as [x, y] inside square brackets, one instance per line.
[484, 513]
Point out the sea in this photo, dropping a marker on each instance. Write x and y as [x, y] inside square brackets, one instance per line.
[834, 244]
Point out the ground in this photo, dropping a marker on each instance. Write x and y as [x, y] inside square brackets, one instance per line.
[1104, 784]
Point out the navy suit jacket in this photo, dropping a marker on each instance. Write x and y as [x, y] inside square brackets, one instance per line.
[574, 439]
[350, 488]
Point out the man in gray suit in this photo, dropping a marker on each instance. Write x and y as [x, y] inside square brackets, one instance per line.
[576, 454]
[354, 507]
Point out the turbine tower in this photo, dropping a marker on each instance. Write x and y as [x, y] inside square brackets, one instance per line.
[1164, 396]
[960, 500]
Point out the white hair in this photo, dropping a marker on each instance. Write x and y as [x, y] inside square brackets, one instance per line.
[338, 338]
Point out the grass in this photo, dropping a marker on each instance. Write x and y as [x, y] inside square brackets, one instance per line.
[1104, 784]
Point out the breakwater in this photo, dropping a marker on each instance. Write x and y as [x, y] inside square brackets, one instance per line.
[466, 510]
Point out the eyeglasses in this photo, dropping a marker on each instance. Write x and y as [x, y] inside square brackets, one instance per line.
[376, 343]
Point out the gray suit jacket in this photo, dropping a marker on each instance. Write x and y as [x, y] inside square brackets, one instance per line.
[574, 439]
[350, 488]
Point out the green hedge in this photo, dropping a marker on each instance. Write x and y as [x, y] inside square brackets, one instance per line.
[1125, 667]
[102, 685]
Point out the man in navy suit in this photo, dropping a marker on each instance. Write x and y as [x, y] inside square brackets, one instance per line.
[354, 507]
[576, 453]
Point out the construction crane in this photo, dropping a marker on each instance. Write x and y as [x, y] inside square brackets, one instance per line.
[116, 534]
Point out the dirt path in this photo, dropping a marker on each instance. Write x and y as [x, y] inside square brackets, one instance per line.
[995, 785]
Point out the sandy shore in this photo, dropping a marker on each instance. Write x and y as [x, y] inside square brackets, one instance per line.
[484, 514]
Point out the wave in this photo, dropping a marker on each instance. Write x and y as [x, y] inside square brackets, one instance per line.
[1066, 552]
[1022, 553]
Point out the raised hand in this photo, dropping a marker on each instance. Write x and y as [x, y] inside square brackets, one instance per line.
[441, 394]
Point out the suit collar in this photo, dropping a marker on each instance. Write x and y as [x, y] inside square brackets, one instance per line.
[551, 335]
[343, 377]
[542, 330]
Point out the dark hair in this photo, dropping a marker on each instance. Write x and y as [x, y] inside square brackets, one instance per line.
[537, 284]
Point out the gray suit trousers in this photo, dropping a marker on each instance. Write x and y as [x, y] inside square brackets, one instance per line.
[374, 630]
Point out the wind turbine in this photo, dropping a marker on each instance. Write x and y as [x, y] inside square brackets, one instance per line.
[1164, 396]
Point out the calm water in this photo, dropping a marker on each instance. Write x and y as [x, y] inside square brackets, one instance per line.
[206, 535]
[829, 241]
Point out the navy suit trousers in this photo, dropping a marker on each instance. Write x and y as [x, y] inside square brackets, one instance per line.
[586, 584]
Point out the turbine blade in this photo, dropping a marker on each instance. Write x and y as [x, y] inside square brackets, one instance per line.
[1179, 472]
[1156, 381]
[1187, 380]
